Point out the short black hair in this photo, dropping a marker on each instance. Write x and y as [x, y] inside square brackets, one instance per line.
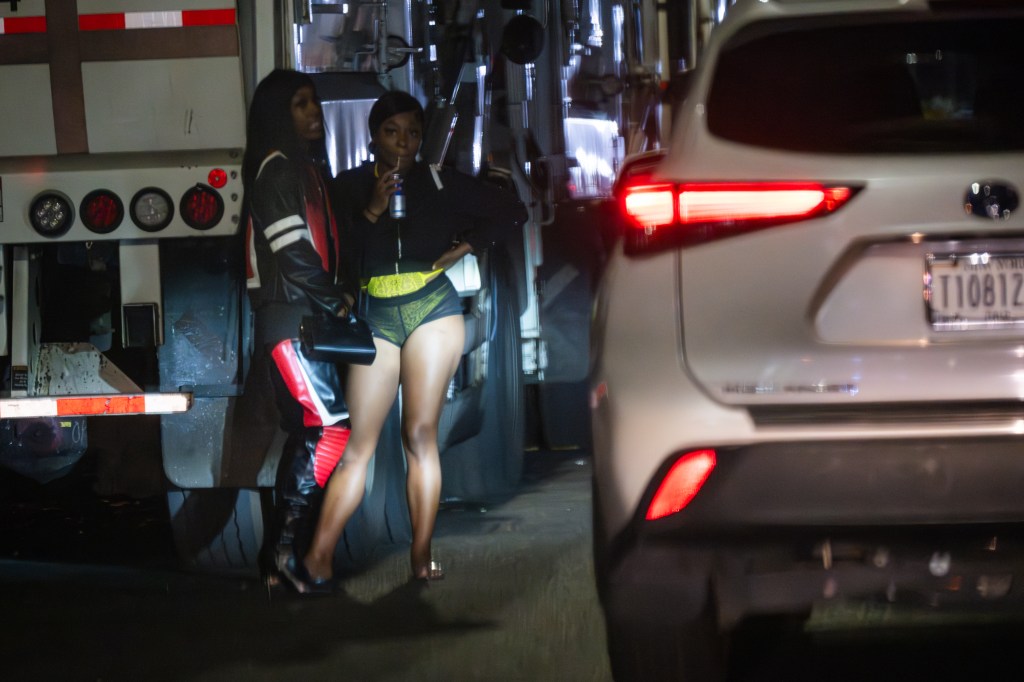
[391, 103]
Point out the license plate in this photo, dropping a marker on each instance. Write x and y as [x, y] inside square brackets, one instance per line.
[975, 291]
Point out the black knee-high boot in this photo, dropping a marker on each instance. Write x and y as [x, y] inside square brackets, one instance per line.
[298, 494]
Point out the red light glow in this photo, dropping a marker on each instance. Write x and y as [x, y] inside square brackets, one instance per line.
[217, 178]
[102, 212]
[201, 207]
[682, 483]
[663, 215]
[761, 201]
[649, 205]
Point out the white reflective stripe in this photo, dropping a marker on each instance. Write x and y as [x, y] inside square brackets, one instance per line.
[152, 19]
[96, 405]
[288, 238]
[275, 229]
[162, 403]
[267, 160]
[38, 407]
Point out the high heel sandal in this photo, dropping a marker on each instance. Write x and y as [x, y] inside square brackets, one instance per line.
[435, 571]
[296, 573]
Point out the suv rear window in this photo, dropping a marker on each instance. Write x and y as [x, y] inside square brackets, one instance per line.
[871, 87]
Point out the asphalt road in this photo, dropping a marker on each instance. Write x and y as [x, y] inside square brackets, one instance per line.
[89, 591]
[517, 603]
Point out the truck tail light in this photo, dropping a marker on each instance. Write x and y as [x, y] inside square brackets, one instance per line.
[51, 214]
[202, 207]
[661, 215]
[151, 209]
[101, 211]
[681, 484]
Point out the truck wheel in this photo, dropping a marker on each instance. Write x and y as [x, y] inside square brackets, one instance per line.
[217, 530]
[490, 463]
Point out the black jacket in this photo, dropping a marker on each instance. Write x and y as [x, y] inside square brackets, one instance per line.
[443, 206]
[294, 254]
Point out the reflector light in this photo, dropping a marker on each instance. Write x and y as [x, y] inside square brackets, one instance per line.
[51, 214]
[101, 211]
[144, 20]
[152, 209]
[202, 207]
[217, 178]
[682, 483]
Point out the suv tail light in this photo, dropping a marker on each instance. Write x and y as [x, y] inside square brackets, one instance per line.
[681, 484]
[664, 215]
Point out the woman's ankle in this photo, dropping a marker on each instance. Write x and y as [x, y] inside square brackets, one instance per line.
[317, 568]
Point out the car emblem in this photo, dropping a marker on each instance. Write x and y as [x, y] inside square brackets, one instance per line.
[991, 199]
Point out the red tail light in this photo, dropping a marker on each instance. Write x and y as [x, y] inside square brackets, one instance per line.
[661, 215]
[682, 483]
[101, 211]
[202, 207]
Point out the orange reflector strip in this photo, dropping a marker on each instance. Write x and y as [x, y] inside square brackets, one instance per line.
[134, 404]
[95, 405]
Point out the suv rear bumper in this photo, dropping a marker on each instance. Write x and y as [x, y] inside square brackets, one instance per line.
[778, 572]
[781, 526]
[860, 482]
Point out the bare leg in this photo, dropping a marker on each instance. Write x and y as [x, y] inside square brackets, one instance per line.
[429, 359]
[370, 392]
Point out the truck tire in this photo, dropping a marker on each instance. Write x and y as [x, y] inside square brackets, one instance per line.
[489, 465]
[217, 531]
[502, 435]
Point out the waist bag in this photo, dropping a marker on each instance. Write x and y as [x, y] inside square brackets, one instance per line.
[390, 286]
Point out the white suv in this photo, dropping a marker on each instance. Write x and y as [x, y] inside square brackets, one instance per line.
[808, 369]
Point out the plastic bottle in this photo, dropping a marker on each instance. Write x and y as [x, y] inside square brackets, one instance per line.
[397, 203]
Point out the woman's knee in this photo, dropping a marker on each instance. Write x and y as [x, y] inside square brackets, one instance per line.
[356, 454]
[420, 438]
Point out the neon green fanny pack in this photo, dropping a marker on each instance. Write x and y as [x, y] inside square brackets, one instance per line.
[390, 286]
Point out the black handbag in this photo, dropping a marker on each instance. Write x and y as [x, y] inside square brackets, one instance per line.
[345, 340]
